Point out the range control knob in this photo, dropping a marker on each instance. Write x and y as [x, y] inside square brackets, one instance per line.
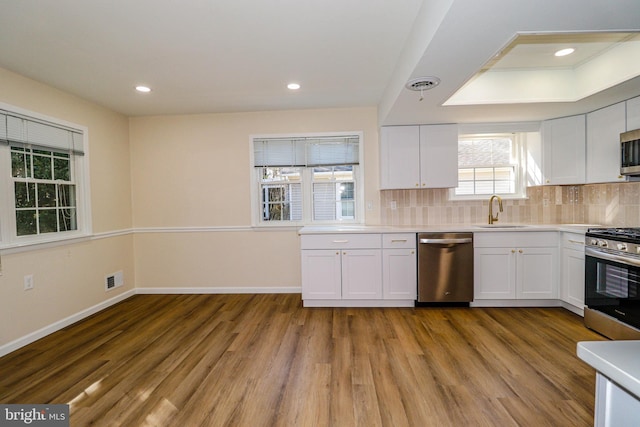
[622, 246]
[602, 243]
[593, 242]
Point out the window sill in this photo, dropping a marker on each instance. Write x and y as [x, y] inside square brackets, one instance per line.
[17, 247]
[453, 198]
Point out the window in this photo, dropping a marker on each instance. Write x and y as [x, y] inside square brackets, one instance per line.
[281, 194]
[43, 185]
[494, 164]
[486, 165]
[333, 193]
[307, 179]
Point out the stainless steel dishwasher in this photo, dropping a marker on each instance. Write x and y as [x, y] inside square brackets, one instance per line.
[445, 267]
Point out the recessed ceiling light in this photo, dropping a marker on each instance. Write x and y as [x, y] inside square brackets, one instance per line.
[293, 86]
[565, 52]
[144, 89]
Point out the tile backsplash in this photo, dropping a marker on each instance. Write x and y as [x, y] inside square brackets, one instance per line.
[614, 204]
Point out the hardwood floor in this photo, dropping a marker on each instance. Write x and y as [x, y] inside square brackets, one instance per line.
[263, 360]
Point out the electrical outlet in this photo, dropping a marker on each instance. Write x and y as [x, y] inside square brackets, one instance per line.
[393, 205]
[28, 282]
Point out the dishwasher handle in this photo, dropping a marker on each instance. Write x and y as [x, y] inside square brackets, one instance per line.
[445, 241]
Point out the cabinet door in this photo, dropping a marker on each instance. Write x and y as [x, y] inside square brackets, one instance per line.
[399, 154]
[362, 274]
[321, 274]
[536, 273]
[603, 143]
[494, 273]
[573, 277]
[564, 142]
[439, 156]
[633, 113]
[399, 279]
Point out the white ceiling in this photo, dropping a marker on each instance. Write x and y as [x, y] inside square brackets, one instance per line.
[203, 56]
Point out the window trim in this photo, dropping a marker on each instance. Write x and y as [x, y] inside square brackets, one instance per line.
[307, 181]
[8, 233]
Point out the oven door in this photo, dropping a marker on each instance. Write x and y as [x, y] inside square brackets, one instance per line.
[612, 283]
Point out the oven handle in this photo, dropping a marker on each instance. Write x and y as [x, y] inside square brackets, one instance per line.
[611, 257]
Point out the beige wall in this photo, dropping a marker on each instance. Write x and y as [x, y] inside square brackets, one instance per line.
[70, 278]
[194, 171]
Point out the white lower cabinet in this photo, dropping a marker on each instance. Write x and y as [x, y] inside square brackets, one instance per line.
[342, 274]
[572, 283]
[494, 273]
[362, 274]
[515, 266]
[536, 273]
[358, 269]
[399, 268]
[341, 266]
[321, 274]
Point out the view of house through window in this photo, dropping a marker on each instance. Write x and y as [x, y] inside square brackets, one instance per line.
[307, 179]
[281, 194]
[487, 165]
[333, 193]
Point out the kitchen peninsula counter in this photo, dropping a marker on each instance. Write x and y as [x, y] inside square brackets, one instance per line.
[617, 380]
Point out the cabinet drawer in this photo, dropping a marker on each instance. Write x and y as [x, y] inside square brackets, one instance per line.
[341, 241]
[510, 239]
[399, 241]
[573, 241]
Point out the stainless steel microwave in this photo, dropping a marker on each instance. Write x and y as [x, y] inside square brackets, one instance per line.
[630, 152]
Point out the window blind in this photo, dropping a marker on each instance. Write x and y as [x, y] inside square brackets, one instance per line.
[484, 152]
[300, 152]
[279, 152]
[17, 129]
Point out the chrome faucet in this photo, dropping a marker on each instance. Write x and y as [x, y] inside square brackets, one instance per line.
[493, 219]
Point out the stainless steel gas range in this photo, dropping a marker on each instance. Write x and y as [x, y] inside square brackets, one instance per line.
[612, 282]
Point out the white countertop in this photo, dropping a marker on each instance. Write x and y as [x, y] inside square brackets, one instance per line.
[617, 360]
[476, 228]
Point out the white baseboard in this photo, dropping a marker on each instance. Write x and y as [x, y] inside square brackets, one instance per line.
[56, 326]
[516, 303]
[358, 303]
[573, 309]
[208, 290]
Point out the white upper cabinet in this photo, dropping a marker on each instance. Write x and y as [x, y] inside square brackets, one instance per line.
[633, 113]
[419, 157]
[439, 156]
[399, 154]
[564, 150]
[604, 127]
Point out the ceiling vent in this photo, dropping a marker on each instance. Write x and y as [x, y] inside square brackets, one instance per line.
[422, 83]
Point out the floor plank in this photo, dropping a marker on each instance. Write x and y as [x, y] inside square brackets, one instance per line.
[263, 360]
